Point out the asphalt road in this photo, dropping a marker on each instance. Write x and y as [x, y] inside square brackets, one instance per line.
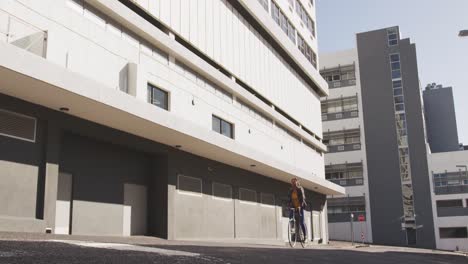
[49, 252]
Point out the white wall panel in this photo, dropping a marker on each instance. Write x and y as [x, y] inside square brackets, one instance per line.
[265, 65]
[154, 7]
[257, 62]
[202, 25]
[242, 50]
[235, 42]
[223, 33]
[229, 38]
[185, 19]
[216, 30]
[194, 22]
[165, 11]
[209, 28]
[144, 3]
[175, 15]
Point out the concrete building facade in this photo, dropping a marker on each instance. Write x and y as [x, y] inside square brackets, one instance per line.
[388, 123]
[441, 121]
[346, 160]
[183, 120]
[449, 191]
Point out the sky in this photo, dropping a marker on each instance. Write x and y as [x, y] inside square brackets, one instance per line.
[433, 25]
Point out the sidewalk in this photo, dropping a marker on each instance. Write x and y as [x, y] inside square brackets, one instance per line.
[140, 240]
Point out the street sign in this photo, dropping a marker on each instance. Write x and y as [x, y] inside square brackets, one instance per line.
[361, 218]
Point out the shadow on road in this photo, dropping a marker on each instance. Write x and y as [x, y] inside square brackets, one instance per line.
[50, 252]
[235, 255]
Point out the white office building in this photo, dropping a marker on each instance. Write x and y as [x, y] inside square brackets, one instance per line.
[170, 118]
[449, 191]
[345, 161]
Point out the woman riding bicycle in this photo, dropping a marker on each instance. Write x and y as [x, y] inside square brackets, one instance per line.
[297, 201]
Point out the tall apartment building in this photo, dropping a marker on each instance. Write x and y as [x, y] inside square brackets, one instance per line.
[345, 161]
[374, 129]
[441, 121]
[178, 119]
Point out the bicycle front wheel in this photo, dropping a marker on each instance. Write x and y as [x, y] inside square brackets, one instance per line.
[292, 231]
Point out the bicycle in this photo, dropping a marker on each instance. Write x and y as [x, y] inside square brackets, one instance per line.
[295, 232]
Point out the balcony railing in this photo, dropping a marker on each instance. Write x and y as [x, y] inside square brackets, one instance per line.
[340, 115]
[348, 182]
[450, 183]
[344, 147]
[24, 35]
[342, 83]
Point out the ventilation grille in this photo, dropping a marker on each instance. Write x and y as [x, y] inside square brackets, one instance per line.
[17, 126]
[267, 199]
[248, 195]
[189, 184]
[222, 190]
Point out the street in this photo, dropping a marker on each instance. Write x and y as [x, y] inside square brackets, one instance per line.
[160, 251]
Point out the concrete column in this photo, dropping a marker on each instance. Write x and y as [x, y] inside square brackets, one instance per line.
[171, 189]
[325, 234]
[51, 174]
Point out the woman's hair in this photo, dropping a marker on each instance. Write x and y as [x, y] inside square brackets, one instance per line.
[298, 183]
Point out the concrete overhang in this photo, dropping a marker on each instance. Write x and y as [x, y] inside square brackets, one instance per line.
[141, 27]
[34, 79]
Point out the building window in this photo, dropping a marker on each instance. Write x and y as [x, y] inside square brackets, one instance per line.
[223, 127]
[348, 174]
[275, 13]
[392, 36]
[291, 32]
[342, 137]
[302, 13]
[264, 3]
[449, 203]
[341, 108]
[158, 97]
[453, 232]
[306, 50]
[280, 18]
[395, 65]
[449, 182]
[339, 209]
[341, 76]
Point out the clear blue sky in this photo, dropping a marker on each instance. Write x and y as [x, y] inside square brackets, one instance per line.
[432, 24]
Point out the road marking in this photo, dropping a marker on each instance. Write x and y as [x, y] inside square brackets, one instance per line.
[128, 247]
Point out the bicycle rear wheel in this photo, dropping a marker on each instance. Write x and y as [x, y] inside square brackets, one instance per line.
[292, 231]
[302, 237]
